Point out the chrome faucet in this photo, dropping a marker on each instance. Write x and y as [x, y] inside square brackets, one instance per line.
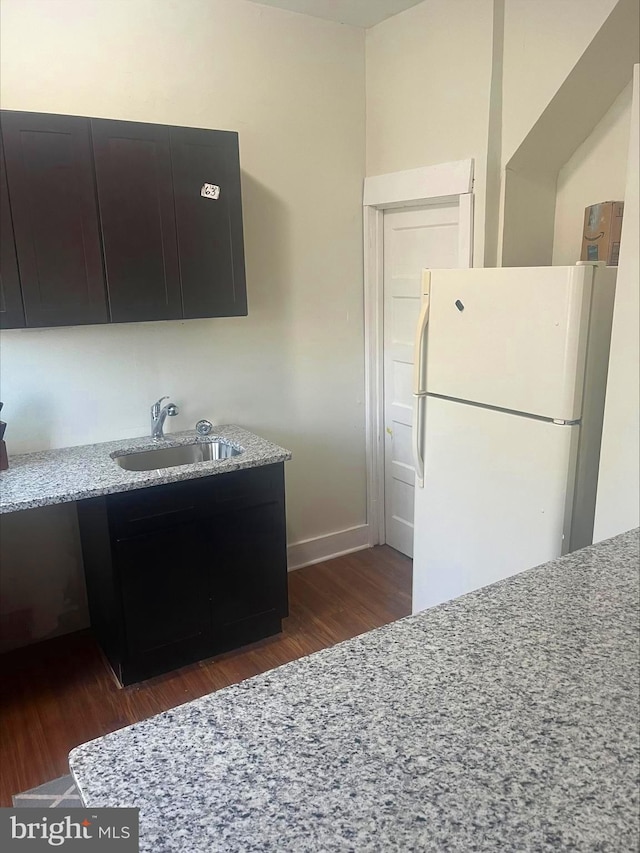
[158, 417]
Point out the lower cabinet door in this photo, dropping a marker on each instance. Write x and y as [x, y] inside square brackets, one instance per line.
[248, 577]
[165, 600]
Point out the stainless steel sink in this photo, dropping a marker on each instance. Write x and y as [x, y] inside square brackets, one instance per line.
[170, 457]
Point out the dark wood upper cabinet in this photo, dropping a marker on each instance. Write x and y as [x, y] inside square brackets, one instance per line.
[11, 310]
[135, 198]
[117, 221]
[210, 239]
[55, 223]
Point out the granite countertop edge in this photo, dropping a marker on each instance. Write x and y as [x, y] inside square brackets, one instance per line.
[68, 474]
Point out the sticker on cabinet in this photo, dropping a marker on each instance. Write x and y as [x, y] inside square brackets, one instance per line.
[210, 191]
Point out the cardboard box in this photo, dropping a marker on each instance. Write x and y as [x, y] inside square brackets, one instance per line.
[601, 233]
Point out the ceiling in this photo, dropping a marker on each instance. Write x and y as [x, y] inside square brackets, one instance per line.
[357, 13]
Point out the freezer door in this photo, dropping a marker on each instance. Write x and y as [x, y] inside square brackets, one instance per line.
[514, 338]
[497, 497]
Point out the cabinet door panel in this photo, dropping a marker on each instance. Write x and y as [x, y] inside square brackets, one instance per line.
[135, 194]
[248, 576]
[210, 238]
[164, 591]
[11, 310]
[55, 220]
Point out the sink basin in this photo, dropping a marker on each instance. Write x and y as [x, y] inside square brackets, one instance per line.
[170, 457]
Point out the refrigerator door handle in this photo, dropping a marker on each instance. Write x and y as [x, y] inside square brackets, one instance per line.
[416, 438]
[419, 391]
[419, 350]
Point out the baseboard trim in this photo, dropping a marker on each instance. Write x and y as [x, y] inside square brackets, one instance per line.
[321, 548]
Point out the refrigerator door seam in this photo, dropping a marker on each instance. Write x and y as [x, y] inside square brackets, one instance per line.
[500, 409]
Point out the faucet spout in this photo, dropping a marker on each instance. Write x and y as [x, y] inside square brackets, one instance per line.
[159, 414]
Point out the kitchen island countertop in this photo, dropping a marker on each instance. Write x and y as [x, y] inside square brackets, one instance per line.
[89, 470]
[503, 720]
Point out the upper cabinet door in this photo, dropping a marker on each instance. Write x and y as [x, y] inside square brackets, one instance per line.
[55, 221]
[11, 310]
[206, 180]
[135, 195]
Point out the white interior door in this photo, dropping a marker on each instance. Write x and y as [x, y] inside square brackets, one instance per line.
[414, 238]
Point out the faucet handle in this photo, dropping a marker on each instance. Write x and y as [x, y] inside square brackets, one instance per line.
[155, 409]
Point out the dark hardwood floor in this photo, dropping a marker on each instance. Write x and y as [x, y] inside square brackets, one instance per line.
[61, 693]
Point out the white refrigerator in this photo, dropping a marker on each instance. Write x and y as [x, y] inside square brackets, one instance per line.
[509, 386]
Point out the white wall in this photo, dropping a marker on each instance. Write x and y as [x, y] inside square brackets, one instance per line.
[563, 64]
[618, 500]
[428, 85]
[543, 39]
[596, 172]
[293, 86]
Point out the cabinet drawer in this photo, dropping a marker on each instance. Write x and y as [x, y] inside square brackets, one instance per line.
[156, 507]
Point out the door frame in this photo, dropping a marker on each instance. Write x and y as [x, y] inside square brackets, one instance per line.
[396, 190]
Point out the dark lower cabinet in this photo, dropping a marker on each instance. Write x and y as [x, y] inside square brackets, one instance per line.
[184, 571]
[245, 591]
[165, 611]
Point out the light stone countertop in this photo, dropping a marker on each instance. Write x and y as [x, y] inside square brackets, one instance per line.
[506, 720]
[75, 473]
